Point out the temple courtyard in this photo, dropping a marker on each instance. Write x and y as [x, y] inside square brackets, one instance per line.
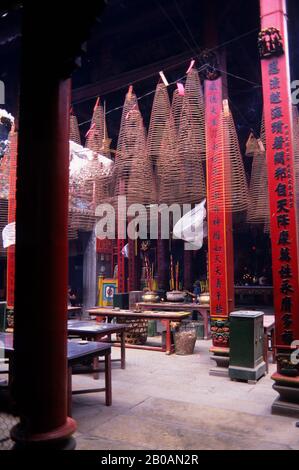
[171, 402]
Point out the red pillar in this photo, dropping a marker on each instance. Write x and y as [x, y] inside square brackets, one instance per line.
[40, 334]
[219, 226]
[280, 162]
[11, 218]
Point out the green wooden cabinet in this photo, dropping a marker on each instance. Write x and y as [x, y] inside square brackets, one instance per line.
[246, 346]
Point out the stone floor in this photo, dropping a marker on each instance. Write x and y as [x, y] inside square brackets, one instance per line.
[171, 402]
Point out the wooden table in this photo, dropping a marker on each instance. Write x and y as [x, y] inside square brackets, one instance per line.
[76, 352]
[165, 317]
[269, 337]
[74, 310]
[96, 331]
[203, 310]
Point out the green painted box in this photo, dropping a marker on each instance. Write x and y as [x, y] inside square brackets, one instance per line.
[246, 346]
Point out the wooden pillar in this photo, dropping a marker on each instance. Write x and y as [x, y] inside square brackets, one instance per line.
[280, 162]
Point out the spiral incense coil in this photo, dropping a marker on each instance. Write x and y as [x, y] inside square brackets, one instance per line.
[133, 174]
[196, 112]
[259, 209]
[192, 188]
[229, 186]
[159, 117]
[3, 222]
[97, 134]
[74, 129]
[176, 108]
[171, 172]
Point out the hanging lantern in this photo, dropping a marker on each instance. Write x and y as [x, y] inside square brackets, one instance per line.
[227, 165]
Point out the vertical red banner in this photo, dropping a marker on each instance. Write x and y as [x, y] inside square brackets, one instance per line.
[280, 162]
[219, 221]
[12, 218]
[216, 214]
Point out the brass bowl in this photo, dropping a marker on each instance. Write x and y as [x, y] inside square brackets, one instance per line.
[151, 297]
[175, 296]
[204, 298]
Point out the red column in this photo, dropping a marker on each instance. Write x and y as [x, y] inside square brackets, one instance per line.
[219, 224]
[40, 334]
[280, 162]
[11, 218]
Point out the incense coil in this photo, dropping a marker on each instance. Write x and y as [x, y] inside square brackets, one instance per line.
[3, 222]
[196, 112]
[97, 134]
[133, 175]
[176, 109]
[170, 170]
[259, 208]
[159, 117]
[74, 129]
[229, 189]
[192, 182]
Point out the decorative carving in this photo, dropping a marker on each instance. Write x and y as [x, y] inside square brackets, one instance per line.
[270, 43]
[220, 332]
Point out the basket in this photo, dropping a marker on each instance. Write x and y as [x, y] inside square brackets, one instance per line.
[185, 339]
[137, 330]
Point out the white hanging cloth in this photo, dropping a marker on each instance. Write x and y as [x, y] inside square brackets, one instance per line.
[192, 228]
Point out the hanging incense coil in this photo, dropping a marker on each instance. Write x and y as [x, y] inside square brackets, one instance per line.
[159, 117]
[196, 112]
[229, 177]
[97, 138]
[259, 209]
[74, 129]
[3, 223]
[99, 142]
[191, 176]
[176, 109]
[133, 175]
[171, 171]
